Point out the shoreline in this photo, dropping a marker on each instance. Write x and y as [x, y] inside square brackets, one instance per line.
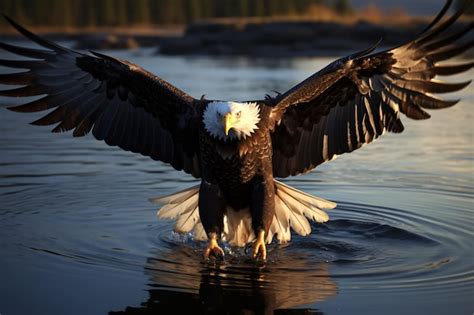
[249, 37]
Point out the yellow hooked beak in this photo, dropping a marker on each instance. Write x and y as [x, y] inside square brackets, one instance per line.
[228, 120]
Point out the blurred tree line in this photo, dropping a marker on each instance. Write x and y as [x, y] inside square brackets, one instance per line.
[83, 13]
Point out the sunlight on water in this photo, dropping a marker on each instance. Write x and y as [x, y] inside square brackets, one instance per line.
[79, 236]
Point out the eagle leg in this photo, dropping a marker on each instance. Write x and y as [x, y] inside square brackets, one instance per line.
[262, 209]
[259, 247]
[211, 213]
[213, 247]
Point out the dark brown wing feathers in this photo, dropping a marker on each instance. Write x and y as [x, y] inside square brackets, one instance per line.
[118, 101]
[355, 99]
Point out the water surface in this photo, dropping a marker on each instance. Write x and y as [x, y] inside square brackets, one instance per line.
[78, 236]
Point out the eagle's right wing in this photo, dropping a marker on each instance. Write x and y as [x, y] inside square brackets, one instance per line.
[120, 102]
[356, 99]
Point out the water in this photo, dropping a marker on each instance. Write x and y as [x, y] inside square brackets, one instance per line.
[78, 236]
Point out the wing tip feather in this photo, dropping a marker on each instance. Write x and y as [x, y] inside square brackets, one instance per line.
[16, 109]
[35, 38]
[439, 16]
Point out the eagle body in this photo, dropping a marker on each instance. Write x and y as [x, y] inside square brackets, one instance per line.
[238, 149]
[238, 173]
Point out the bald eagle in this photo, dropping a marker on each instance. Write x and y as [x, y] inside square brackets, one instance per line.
[237, 149]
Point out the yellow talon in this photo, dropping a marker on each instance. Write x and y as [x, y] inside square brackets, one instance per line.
[259, 247]
[213, 248]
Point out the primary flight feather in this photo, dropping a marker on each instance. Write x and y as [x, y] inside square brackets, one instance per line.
[238, 148]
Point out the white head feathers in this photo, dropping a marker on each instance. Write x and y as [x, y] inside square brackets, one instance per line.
[244, 116]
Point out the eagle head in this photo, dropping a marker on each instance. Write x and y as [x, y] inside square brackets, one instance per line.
[231, 120]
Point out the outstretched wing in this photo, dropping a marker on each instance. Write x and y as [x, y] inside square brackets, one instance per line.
[356, 99]
[120, 102]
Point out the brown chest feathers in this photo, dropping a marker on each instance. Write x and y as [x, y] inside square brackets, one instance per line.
[234, 163]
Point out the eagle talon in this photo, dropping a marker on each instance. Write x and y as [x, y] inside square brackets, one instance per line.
[213, 248]
[259, 247]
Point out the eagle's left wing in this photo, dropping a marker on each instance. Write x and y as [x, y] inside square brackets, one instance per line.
[116, 100]
[356, 99]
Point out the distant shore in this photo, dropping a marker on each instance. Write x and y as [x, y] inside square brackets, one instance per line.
[290, 38]
[280, 38]
[104, 37]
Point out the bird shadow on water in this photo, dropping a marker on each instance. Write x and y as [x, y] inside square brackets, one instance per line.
[182, 283]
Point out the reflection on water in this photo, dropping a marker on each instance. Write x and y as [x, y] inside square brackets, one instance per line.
[77, 235]
[182, 282]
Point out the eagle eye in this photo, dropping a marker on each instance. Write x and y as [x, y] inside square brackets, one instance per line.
[238, 114]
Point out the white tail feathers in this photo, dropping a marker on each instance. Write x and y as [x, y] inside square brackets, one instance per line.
[293, 208]
[238, 227]
[177, 203]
